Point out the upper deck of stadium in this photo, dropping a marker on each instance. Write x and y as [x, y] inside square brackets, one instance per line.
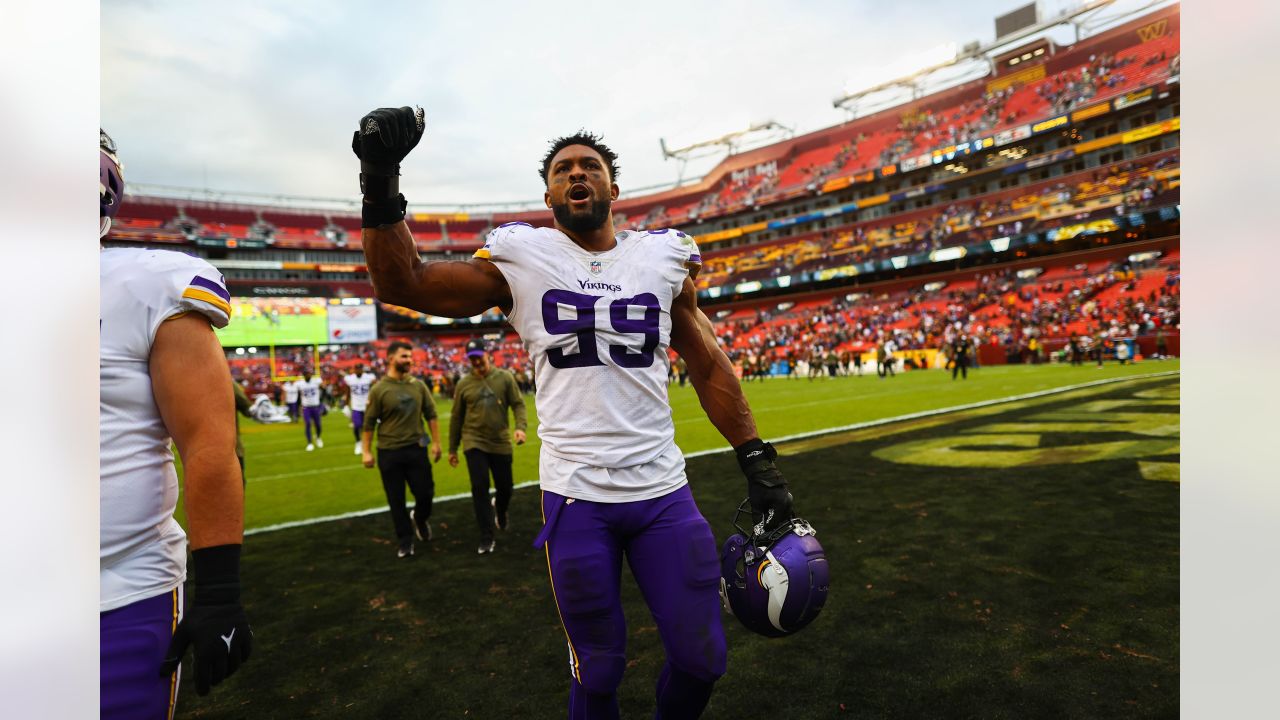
[1035, 88]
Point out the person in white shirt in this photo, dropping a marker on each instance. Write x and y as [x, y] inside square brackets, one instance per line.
[162, 378]
[291, 398]
[358, 384]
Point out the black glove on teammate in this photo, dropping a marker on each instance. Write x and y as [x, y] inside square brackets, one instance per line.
[385, 137]
[766, 488]
[215, 624]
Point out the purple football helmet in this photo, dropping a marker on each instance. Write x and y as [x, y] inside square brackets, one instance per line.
[775, 583]
[110, 181]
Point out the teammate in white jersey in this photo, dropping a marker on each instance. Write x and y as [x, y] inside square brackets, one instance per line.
[358, 384]
[597, 310]
[311, 390]
[163, 376]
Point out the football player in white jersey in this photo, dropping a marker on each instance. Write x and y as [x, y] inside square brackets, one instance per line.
[597, 310]
[163, 376]
[358, 384]
[311, 390]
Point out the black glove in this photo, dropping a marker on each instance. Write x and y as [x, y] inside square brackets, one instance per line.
[215, 624]
[766, 488]
[385, 137]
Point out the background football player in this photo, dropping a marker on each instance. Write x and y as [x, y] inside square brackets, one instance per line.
[358, 384]
[311, 390]
[164, 376]
[597, 310]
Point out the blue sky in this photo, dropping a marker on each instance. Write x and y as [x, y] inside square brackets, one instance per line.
[262, 96]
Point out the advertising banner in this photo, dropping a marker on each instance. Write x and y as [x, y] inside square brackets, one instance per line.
[1136, 97]
[350, 322]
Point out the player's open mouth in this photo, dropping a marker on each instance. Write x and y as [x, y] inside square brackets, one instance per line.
[579, 193]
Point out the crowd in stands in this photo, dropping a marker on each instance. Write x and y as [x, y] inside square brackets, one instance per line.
[1116, 189]
[1102, 301]
[1022, 313]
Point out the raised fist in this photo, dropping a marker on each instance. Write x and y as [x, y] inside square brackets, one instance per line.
[385, 137]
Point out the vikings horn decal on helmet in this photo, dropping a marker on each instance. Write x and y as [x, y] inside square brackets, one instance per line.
[775, 583]
[110, 182]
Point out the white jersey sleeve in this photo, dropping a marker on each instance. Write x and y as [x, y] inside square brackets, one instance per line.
[142, 548]
[597, 327]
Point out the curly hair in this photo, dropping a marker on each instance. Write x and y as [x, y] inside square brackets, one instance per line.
[582, 137]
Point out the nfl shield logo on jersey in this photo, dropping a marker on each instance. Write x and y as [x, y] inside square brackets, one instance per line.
[596, 267]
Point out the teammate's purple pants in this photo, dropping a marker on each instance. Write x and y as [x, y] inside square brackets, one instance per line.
[133, 641]
[357, 422]
[311, 415]
[672, 555]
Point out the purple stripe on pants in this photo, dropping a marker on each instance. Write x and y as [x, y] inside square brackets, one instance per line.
[672, 555]
[134, 639]
[311, 415]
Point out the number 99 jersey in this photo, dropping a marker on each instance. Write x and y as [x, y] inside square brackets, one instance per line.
[597, 327]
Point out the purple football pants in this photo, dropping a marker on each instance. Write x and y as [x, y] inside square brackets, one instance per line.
[133, 640]
[672, 555]
[311, 416]
[357, 422]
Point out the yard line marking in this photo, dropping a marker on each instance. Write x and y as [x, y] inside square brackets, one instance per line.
[717, 451]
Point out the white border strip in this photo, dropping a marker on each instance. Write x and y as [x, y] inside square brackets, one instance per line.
[786, 438]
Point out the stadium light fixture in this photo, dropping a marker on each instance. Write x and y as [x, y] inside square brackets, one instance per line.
[756, 135]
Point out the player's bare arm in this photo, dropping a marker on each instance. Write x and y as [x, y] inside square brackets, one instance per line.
[726, 406]
[718, 388]
[189, 378]
[448, 289]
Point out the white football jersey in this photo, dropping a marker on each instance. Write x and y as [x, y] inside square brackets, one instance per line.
[310, 391]
[360, 385]
[142, 549]
[597, 327]
[291, 392]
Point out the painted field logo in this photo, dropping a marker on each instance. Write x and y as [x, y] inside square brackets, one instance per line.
[1149, 418]
[1147, 33]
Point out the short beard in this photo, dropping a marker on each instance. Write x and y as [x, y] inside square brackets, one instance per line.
[582, 223]
[404, 368]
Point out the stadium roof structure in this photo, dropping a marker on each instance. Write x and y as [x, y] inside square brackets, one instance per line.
[1087, 18]
[755, 135]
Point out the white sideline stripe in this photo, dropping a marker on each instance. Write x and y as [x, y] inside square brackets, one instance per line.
[362, 513]
[785, 438]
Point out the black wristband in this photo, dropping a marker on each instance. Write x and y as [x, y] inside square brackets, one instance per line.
[375, 214]
[754, 451]
[378, 187]
[216, 574]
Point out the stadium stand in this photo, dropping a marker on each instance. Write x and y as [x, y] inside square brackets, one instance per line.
[877, 225]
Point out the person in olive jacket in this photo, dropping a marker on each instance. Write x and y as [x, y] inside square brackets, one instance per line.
[398, 405]
[481, 402]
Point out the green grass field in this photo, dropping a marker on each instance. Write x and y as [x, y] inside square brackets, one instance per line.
[287, 484]
[1012, 561]
[291, 330]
